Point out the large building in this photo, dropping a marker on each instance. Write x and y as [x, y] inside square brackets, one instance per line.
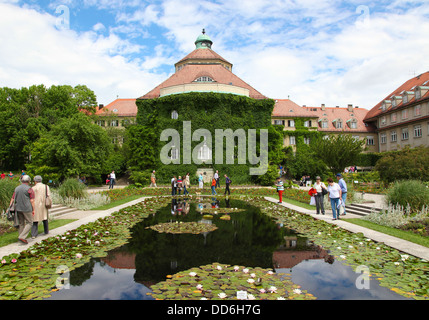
[402, 118]
[204, 70]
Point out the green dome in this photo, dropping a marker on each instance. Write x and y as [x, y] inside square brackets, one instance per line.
[203, 41]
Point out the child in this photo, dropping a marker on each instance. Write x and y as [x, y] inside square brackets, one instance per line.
[280, 189]
[214, 186]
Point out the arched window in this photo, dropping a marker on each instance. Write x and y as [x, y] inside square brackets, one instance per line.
[204, 79]
[174, 115]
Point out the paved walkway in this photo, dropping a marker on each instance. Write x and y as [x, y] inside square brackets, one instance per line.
[399, 244]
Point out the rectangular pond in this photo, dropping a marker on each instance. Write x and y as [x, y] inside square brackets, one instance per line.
[243, 236]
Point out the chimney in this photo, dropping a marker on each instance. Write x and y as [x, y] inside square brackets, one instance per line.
[101, 106]
[323, 107]
[350, 108]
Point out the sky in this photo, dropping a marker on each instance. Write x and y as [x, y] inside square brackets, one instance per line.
[311, 51]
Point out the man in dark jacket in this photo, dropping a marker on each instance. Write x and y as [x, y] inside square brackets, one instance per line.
[227, 182]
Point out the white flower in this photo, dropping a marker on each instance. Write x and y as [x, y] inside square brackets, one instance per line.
[378, 248]
[361, 243]
[297, 291]
[319, 233]
[222, 295]
[404, 257]
[281, 298]
[203, 298]
[219, 268]
[339, 248]
[246, 270]
[250, 280]
[199, 286]
[97, 243]
[192, 274]
[270, 272]
[351, 247]
[262, 291]
[236, 268]
[253, 275]
[272, 289]
[250, 297]
[78, 255]
[342, 256]
[397, 263]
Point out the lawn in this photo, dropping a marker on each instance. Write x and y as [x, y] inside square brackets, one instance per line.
[405, 235]
[12, 237]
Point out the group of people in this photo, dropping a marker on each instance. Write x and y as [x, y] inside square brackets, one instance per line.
[10, 175]
[177, 184]
[30, 207]
[337, 194]
[216, 183]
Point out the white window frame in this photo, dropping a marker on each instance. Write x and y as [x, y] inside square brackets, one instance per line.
[370, 141]
[394, 136]
[383, 138]
[292, 140]
[405, 134]
[418, 131]
[174, 115]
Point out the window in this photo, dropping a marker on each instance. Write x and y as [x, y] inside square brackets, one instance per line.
[353, 124]
[307, 124]
[307, 141]
[204, 79]
[393, 117]
[174, 153]
[370, 141]
[292, 140]
[325, 124]
[291, 123]
[405, 134]
[383, 121]
[418, 133]
[279, 122]
[383, 138]
[418, 94]
[339, 124]
[405, 99]
[418, 110]
[356, 138]
[204, 153]
[101, 123]
[404, 114]
[394, 136]
[174, 115]
[114, 123]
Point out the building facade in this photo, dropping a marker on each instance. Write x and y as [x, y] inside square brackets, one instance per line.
[402, 118]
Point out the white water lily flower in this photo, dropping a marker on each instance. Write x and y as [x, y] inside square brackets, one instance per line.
[250, 280]
[253, 275]
[203, 298]
[342, 256]
[404, 257]
[236, 268]
[270, 272]
[222, 295]
[78, 255]
[397, 263]
[246, 270]
[351, 247]
[199, 286]
[250, 297]
[281, 298]
[339, 248]
[262, 291]
[219, 268]
[272, 289]
[192, 274]
[297, 291]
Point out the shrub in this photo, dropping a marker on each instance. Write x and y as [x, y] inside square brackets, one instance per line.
[72, 188]
[7, 188]
[141, 178]
[396, 216]
[410, 192]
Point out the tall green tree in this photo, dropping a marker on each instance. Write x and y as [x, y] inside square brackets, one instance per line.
[338, 151]
[74, 146]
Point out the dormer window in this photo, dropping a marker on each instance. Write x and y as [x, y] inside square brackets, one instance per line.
[407, 96]
[338, 123]
[204, 79]
[352, 124]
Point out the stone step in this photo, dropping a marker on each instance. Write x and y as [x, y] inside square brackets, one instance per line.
[58, 210]
[360, 209]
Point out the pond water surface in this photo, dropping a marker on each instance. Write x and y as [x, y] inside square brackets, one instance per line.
[249, 238]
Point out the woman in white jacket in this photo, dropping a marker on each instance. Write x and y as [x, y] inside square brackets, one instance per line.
[41, 191]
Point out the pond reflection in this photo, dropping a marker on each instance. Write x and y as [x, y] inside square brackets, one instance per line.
[249, 238]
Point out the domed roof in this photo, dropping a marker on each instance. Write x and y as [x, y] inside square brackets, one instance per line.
[203, 41]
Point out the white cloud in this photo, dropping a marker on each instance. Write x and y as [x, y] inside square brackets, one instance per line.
[37, 52]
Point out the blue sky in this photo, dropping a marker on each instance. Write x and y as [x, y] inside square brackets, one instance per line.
[330, 52]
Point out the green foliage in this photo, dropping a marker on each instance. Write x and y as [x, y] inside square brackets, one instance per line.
[338, 151]
[142, 178]
[73, 147]
[404, 164]
[305, 162]
[269, 178]
[72, 188]
[7, 187]
[28, 113]
[411, 192]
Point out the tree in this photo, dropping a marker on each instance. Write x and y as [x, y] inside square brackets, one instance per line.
[338, 151]
[74, 146]
[304, 162]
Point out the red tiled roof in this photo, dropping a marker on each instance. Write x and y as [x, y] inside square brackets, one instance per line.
[203, 54]
[287, 108]
[120, 107]
[407, 86]
[190, 72]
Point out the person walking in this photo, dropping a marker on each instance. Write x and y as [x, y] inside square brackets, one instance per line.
[280, 189]
[200, 181]
[179, 185]
[186, 184]
[335, 196]
[214, 186]
[153, 180]
[173, 186]
[216, 176]
[227, 183]
[112, 179]
[41, 192]
[343, 187]
[320, 188]
[24, 207]
[11, 175]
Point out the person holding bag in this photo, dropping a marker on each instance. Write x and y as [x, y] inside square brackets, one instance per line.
[43, 202]
[280, 189]
[319, 196]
